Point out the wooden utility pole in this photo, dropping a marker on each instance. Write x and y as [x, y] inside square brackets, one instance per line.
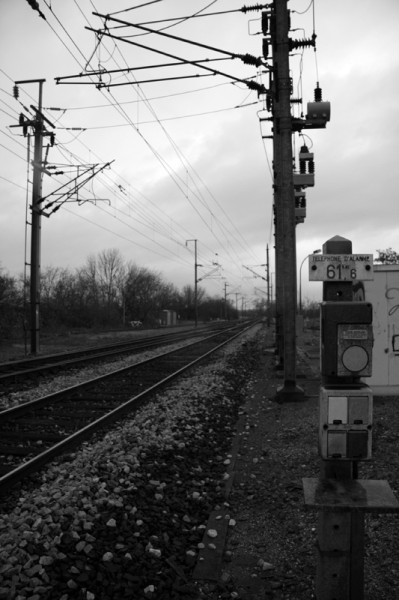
[284, 202]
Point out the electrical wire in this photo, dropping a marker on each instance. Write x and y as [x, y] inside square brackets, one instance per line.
[135, 7]
[12, 152]
[179, 117]
[12, 182]
[212, 215]
[303, 12]
[116, 103]
[178, 20]
[163, 97]
[171, 141]
[115, 233]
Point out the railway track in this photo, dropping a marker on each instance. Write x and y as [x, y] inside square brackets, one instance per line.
[35, 432]
[32, 368]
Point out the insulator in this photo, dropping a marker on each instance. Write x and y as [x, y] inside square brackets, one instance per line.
[52, 139]
[254, 85]
[265, 48]
[246, 9]
[249, 59]
[269, 103]
[318, 95]
[15, 92]
[294, 44]
[296, 100]
[306, 162]
[265, 23]
[21, 119]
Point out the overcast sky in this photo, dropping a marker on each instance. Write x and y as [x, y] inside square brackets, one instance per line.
[189, 158]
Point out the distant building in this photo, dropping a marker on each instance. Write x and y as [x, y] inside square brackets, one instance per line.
[168, 318]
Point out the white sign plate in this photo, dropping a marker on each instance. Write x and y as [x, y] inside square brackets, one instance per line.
[340, 267]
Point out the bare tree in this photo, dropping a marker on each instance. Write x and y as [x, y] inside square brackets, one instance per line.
[111, 274]
[10, 304]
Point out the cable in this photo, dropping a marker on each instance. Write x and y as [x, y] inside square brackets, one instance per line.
[24, 160]
[201, 114]
[250, 84]
[12, 182]
[298, 12]
[163, 97]
[211, 213]
[315, 51]
[178, 20]
[15, 154]
[122, 237]
[213, 216]
[176, 149]
[134, 7]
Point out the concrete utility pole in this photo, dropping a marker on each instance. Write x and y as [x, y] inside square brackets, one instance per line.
[284, 202]
[196, 265]
[268, 285]
[36, 228]
[39, 131]
[225, 299]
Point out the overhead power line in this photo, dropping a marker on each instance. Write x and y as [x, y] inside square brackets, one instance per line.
[244, 9]
[243, 57]
[117, 106]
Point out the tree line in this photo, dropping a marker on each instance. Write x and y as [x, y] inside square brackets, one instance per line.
[105, 293]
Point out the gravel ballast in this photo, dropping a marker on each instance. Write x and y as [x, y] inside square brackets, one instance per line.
[123, 517]
[49, 384]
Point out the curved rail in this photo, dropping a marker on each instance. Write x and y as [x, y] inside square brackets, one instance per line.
[96, 403]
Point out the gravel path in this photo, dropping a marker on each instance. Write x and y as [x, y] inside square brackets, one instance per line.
[270, 554]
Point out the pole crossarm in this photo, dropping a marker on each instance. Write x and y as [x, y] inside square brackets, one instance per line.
[209, 274]
[255, 273]
[253, 85]
[67, 195]
[246, 58]
[177, 63]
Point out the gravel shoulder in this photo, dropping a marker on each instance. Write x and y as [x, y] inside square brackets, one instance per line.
[271, 553]
[128, 515]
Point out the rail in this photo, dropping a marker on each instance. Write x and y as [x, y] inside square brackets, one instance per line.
[35, 432]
